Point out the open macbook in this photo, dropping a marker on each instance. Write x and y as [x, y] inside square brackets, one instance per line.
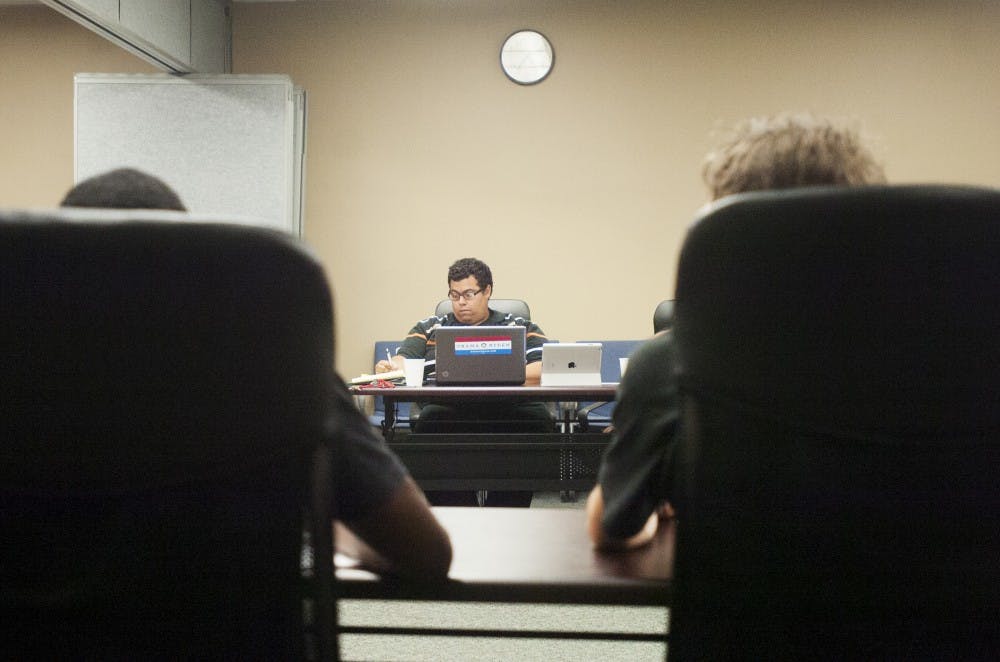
[571, 364]
[480, 355]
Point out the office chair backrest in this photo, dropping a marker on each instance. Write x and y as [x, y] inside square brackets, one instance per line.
[166, 393]
[516, 307]
[663, 315]
[840, 380]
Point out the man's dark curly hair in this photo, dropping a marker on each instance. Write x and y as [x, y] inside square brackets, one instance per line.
[470, 266]
[124, 188]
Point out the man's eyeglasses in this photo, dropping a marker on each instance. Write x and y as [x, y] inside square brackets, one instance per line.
[468, 295]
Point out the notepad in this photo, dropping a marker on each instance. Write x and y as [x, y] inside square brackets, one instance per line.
[387, 376]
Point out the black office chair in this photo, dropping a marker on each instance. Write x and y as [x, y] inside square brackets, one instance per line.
[663, 315]
[516, 307]
[166, 391]
[840, 378]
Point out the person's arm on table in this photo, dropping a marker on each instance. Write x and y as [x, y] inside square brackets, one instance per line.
[533, 374]
[400, 536]
[534, 339]
[595, 512]
[385, 520]
[633, 483]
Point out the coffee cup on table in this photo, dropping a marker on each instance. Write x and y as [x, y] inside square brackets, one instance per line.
[413, 370]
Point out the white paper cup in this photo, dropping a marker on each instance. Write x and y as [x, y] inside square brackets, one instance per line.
[413, 369]
[622, 364]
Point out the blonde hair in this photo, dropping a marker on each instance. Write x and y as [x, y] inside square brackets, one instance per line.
[788, 151]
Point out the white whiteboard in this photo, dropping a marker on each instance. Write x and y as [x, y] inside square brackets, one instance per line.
[228, 144]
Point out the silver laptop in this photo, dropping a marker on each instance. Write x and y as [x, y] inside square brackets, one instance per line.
[479, 355]
[571, 364]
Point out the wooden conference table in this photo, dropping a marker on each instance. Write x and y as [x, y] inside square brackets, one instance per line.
[563, 460]
[526, 555]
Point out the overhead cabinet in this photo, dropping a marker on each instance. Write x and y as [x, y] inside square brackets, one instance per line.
[179, 36]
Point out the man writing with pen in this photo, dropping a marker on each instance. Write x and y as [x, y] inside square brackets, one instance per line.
[470, 286]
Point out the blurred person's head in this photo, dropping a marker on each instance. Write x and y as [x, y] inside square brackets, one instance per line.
[124, 188]
[788, 151]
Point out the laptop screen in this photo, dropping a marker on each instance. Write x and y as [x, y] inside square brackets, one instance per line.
[480, 355]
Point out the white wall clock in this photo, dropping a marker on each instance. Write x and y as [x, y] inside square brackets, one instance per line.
[526, 57]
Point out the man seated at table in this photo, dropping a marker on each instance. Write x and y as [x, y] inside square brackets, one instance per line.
[634, 481]
[470, 286]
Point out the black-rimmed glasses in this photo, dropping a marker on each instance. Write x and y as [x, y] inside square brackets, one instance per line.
[468, 295]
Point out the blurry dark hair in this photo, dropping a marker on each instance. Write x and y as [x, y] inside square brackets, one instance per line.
[787, 151]
[470, 266]
[124, 188]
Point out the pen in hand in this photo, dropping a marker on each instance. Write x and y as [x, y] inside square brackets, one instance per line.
[388, 363]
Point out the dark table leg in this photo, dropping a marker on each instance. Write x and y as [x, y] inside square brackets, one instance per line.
[389, 421]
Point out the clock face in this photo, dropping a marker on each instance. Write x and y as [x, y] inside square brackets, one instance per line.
[526, 57]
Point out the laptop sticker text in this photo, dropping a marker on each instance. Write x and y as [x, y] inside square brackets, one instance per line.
[482, 345]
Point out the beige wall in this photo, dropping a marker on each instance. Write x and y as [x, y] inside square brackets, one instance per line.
[40, 50]
[415, 137]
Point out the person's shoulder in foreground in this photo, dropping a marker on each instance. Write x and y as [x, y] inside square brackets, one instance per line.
[786, 150]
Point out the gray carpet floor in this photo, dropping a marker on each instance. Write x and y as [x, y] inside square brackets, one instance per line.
[493, 616]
